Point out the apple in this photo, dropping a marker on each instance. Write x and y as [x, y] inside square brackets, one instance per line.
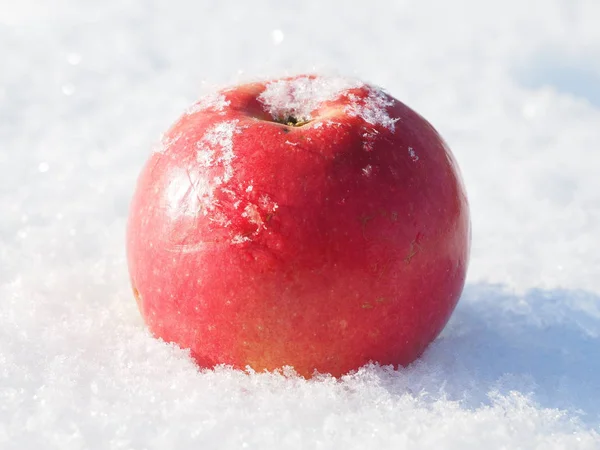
[309, 221]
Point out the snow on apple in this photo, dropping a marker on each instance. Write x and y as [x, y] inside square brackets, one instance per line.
[310, 232]
[299, 97]
[215, 101]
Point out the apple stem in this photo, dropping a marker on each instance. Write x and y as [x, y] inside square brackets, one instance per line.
[292, 121]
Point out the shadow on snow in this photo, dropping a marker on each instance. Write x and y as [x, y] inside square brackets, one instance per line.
[544, 344]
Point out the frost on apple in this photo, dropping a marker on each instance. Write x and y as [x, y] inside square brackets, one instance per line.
[299, 97]
[373, 109]
[267, 204]
[257, 214]
[215, 149]
[239, 239]
[165, 144]
[215, 101]
[195, 192]
[183, 195]
[252, 213]
[413, 155]
[369, 139]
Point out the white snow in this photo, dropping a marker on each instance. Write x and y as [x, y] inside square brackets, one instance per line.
[165, 143]
[373, 109]
[216, 149]
[86, 88]
[213, 168]
[214, 100]
[299, 97]
[413, 155]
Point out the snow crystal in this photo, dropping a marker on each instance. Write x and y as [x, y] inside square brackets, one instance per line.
[166, 142]
[193, 191]
[299, 97]
[215, 101]
[252, 213]
[267, 204]
[214, 154]
[412, 154]
[373, 109]
[220, 219]
[239, 239]
[369, 139]
[216, 148]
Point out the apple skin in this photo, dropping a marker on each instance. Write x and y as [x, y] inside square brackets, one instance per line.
[322, 246]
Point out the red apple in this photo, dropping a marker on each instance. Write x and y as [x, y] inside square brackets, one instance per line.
[310, 221]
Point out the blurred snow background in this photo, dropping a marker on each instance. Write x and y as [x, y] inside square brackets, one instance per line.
[86, 88]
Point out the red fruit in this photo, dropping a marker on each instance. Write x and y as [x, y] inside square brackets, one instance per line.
[308, 221]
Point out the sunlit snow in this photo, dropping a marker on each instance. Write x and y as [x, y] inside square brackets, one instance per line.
[86, 90]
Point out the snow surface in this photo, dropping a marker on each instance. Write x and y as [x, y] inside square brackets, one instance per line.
[87, 88]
